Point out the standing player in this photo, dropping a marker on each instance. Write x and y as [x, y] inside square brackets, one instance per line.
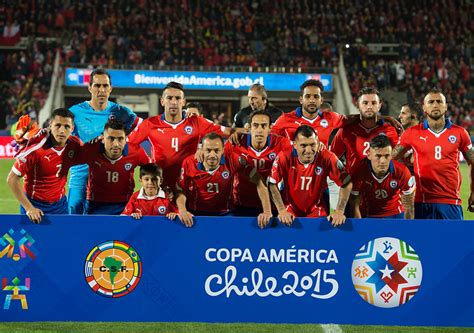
[303, 173]
[172, 135]
[258, 101]
[383, 188]
[90, 118]
[45, 167]
[354, 139]
[206, 188]
[259, 149]
[309, 114]
[111, 166]
[436, 144]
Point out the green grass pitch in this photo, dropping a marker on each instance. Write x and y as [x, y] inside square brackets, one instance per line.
[8, 205]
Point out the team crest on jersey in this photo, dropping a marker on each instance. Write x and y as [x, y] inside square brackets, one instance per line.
[188, 129]
[225, 174]
[452, 139]
[71, 153]
[324, 123]
[318, 170]
[162, 209]
[272, 156]
[393, 184]
[128, 166]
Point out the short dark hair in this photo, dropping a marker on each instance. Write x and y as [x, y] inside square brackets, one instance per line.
[62, 112]
[152, 169]
[175, 85]
[380, 141]
[326, 106]
[115, 124]
[194, 105]
[99, 71]
[312, 83]
[368, 91]
[213, 136]
[415, 109]
[259, 112]
[306, 131]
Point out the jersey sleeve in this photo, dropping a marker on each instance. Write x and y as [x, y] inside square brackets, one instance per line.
[140, 133]
[206, 126]
[337, 146]
[279, 127]
[405, 139]
[86, 153]
[143, 158]
[126, 115]
[465, 143]
[279, 168]
[337, 172]
[22, 165]
[130, 207]
[238, 120]
[284, 145]
[338, 120]
[184, 180]
[407, 181]
[393, 136]
[356, 186]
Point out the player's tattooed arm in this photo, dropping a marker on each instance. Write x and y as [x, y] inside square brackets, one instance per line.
[338, 217]
[469, 156]
[408, 202]
[284, 216]
[398, 152]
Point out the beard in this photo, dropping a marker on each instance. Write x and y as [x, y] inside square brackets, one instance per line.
[435, 117]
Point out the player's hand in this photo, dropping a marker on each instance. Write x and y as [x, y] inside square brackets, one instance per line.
[470, 206]
[264, 219]
[186, 218]
[395, 123]
[35, 214]
[137, 215]
[321, 147]
[171, 216]
[96, 139]
[235, 138]
[199, 155]
[337, 218]
[169, 193]
[286, 217]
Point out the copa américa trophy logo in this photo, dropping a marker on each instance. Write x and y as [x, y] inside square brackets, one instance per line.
[387, 272]
[113, 269]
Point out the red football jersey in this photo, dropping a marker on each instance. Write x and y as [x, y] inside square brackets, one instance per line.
[156, 205]
[45, 168]
[245, 192]
[436, 161]
[382, 197]
[172, 143]
[111, 180]
[323, 124]
[354, 140]
[210, 191]
[303, 185]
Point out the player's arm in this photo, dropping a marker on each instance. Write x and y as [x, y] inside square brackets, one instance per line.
[408, 201]
[140, 133]
[337, 217]
[398, 151]
[15, 183]
[283, 214]
[469, 156]
[184, 216]
[262, 190]
[355, 200]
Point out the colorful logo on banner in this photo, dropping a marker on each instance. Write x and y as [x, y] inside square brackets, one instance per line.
[386, 272]
[17, 249]
[113, 269]
[15, 288]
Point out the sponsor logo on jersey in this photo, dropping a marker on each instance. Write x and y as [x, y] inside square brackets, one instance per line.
[386, 272]
[423, 138]
[324, 123]
[113, 269]
[452, 139]
[188, 129]
[162, 209]
[393, 184]
[225, 174]
[128, 166]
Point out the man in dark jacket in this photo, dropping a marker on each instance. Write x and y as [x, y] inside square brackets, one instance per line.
[258, 101]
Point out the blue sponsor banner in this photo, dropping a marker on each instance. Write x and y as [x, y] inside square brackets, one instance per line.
[75, 77]
[82, 268]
